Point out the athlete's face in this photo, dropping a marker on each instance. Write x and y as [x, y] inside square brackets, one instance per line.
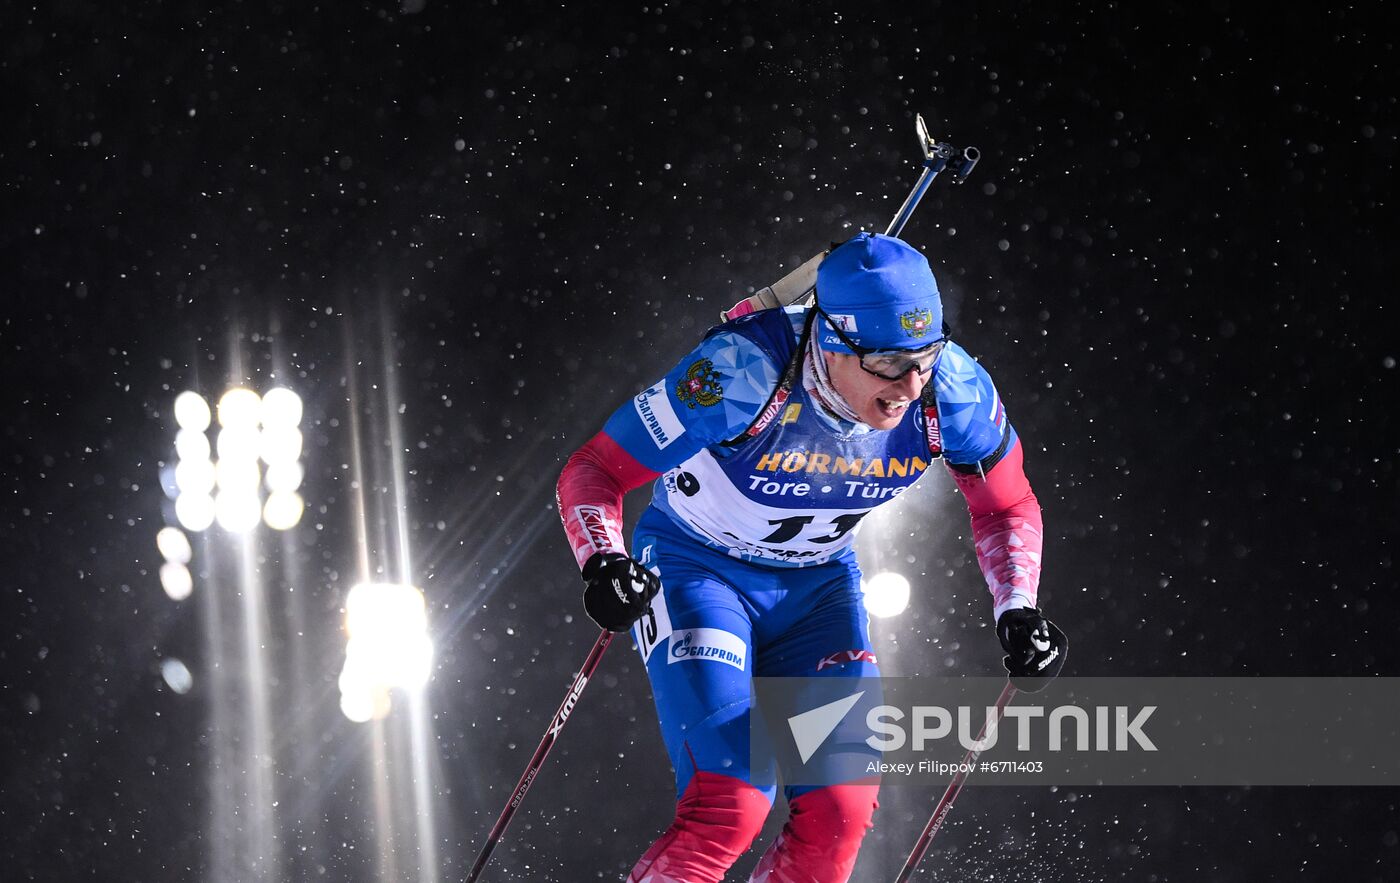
[879, 403]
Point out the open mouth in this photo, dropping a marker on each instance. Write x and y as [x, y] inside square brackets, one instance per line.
[892, 408]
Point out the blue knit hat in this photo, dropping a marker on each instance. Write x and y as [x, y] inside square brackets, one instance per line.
[882, 293]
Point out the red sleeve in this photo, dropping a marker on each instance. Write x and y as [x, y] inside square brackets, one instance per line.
[1007, 530]
[589, 495]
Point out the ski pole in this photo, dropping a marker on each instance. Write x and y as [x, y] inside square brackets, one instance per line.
[560, 718]
[940, 812]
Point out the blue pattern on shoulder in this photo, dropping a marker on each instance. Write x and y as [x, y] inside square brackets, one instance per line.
[710, 396]
[971, 415]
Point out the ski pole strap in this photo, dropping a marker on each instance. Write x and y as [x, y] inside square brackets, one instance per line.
[787, 290]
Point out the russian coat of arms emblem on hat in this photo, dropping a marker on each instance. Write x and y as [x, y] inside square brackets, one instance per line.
[916, 323]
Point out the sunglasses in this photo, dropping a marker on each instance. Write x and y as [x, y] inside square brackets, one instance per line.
[889, 364]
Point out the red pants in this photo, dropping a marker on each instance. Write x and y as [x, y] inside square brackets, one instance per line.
[718, 817]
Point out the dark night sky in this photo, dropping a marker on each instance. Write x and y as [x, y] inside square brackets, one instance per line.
[1176, 258]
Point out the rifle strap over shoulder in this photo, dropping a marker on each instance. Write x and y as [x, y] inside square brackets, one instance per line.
[778, 398]
[787, 290]
[928, 400]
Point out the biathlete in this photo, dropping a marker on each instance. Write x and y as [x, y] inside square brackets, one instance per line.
[768, 444]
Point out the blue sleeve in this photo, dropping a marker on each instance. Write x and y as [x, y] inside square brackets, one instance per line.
[972, 418]
[712, 395]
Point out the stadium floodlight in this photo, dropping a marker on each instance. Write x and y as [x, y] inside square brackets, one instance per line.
[175, 576]
[356, 704]
[177, 676]
[238, 511]
[174, 545]
[388, 647]
[240, 407]
[176, 580]
[284, 476]
[238, 476]
[228, 490]
[191, 411]
[283, 510]
[281, 408]
[192, 444]
[239, 442]
[886, 594]
[195, 476]
[280, 444]
[195, 510]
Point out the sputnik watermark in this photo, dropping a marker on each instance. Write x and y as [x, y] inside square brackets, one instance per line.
[1098, 728]
[1112, 729]
[829, 729]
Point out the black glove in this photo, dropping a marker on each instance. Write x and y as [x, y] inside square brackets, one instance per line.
[619, 590]
[1035, 648]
